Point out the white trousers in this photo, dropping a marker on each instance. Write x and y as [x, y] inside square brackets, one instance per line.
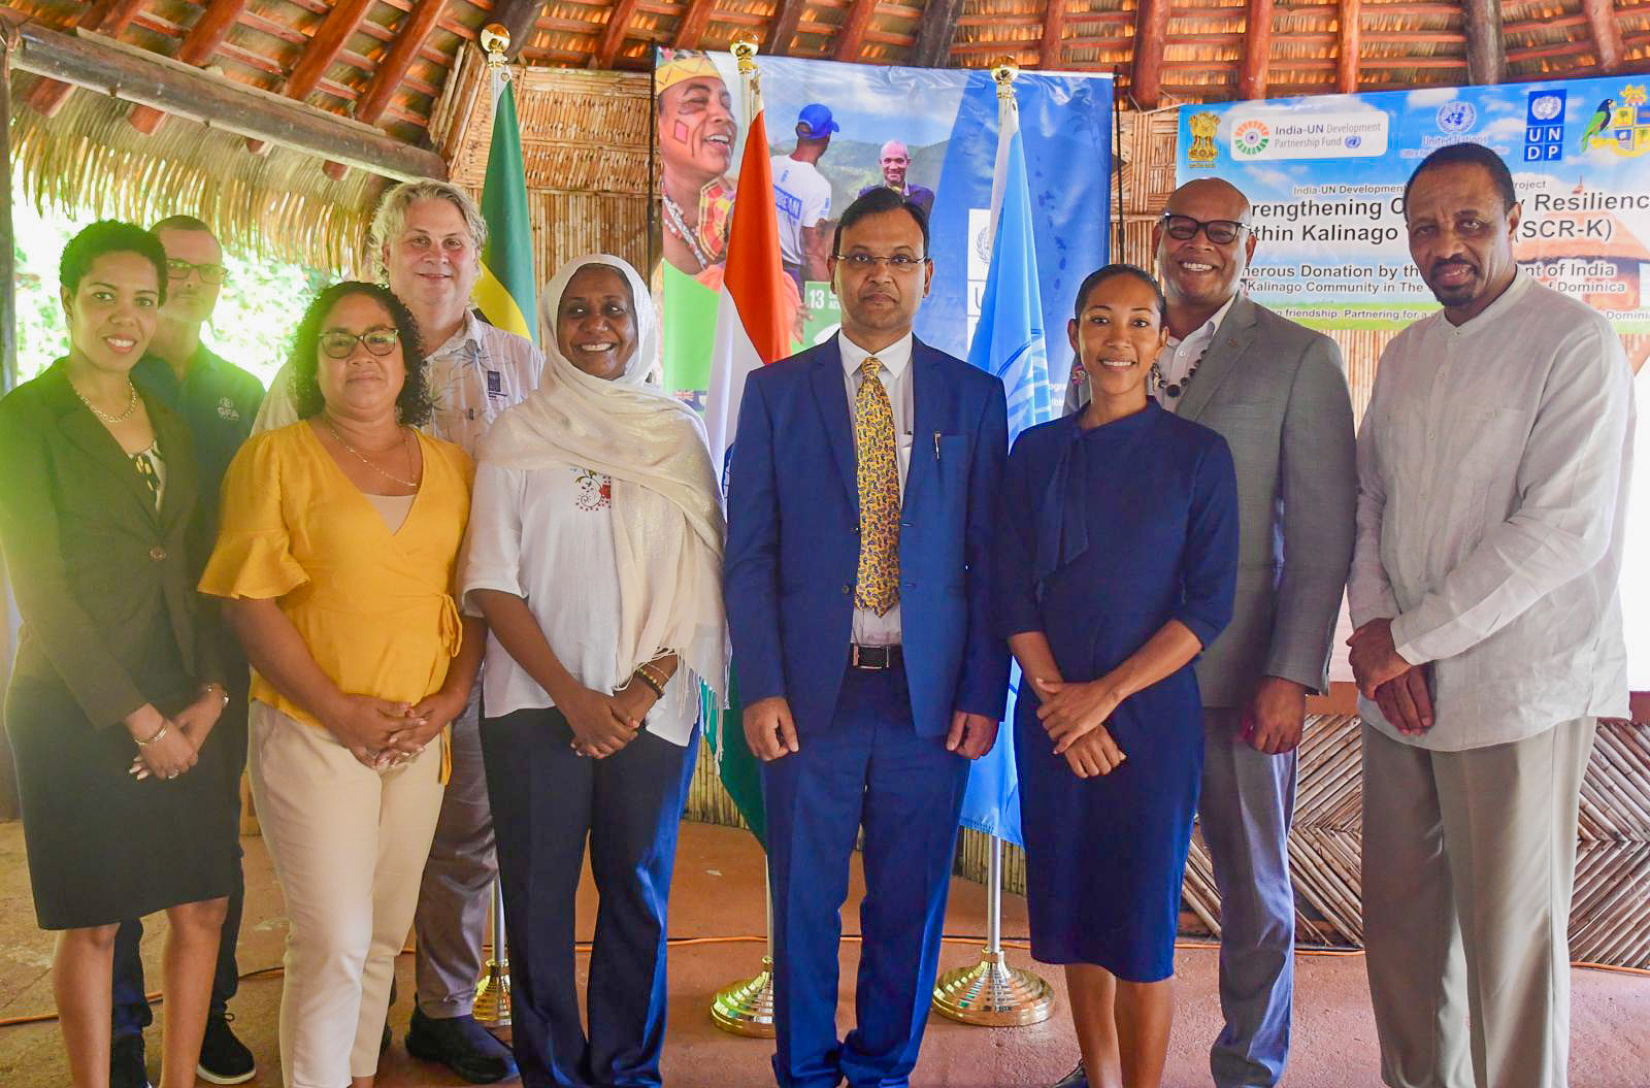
[1468, 864]
[349, 845]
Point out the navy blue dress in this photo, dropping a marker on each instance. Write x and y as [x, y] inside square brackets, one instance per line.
[1106, 535]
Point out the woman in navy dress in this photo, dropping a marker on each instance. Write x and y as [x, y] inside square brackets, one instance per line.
[1115, 566]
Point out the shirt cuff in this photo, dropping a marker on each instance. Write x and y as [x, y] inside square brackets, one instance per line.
[1402, 643]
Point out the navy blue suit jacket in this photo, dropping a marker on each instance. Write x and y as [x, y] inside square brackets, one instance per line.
[793, 538]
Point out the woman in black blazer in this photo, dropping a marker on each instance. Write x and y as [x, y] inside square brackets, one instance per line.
[116, 686]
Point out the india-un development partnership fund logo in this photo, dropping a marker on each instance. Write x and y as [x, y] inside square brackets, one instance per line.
[1250, 138]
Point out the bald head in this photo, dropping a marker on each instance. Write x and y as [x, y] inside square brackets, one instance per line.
[896, 160]
[1210, 193]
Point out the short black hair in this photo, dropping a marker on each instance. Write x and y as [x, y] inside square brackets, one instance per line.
[109, 236]
[879, 200]
[412, 404]
[1468, 154]
[182, 222]
[1101, 275]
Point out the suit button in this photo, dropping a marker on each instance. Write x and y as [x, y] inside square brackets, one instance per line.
[157, 553]
[847, 590]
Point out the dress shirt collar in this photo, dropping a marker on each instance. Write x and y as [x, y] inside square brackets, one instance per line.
[894, 358]
[1494, 312]
[1207, 330]
[468, 333]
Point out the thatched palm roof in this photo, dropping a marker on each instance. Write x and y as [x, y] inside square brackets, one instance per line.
[388, 63]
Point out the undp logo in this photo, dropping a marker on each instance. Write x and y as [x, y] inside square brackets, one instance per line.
[1251, 137]
[1457, 117]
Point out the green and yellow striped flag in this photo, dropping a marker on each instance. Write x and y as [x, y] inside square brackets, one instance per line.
[506, 294]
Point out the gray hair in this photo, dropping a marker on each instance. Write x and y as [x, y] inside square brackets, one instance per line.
[391, 217]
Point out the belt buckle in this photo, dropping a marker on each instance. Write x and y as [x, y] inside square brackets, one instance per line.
[877, 659]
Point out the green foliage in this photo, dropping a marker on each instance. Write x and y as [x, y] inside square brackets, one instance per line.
[257, 310]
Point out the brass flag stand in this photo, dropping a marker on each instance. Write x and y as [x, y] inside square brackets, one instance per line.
[493, 992]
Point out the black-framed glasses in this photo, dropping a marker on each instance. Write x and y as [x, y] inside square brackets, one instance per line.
[864, 262]
[1183, 228]
[338, 344]
[178, 269]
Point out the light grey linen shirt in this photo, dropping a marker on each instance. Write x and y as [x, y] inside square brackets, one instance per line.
[1492, 487]
[871, 629]
[480, 371]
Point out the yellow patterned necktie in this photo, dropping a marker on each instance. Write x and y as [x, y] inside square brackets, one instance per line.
[878, 587]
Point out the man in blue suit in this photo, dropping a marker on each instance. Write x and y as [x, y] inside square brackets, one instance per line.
[860, 498]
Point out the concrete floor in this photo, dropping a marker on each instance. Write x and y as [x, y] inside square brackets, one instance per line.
[719, 875]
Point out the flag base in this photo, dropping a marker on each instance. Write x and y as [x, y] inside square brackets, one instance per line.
[746, 1008]
[492, 1005]
[992, 994]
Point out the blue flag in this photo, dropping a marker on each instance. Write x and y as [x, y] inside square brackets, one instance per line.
[1008, 342]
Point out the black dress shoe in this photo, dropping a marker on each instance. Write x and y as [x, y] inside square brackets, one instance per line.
[462, 1045]
[1074, 1079]
[224, 1058]
[126, 1063]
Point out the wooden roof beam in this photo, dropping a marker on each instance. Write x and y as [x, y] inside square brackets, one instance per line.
[787, 18]
[518, 17]
[1350, 38]
[1486, 53]
[850, 37]
[1257, 50]
[198, 47]
[1601, 17]
[415, 29]
[1054, 28]
[936, 32]
[329, 39]
[612, 39]
[135, 75]
[1151, 32]
[106, 17]
[695, 21]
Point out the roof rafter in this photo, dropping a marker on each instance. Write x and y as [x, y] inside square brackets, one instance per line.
[850, 38]
[612, 39]
[1601, 17]
[1486, 52]
[198, 48]
[518, 18]
[695, 21]
[1054, 28]
[786, 18]
[1151, 31]
[415, 29]
[106, 17]
[328, 40]
[1350, 37]
[936, 31]
[1257, 50]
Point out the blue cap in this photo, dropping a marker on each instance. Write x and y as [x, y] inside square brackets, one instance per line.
[818, 120]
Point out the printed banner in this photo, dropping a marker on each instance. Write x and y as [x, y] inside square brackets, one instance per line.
[1326, 178]
[837, 130]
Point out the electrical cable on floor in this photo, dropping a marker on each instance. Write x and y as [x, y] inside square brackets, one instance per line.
[1019, 944]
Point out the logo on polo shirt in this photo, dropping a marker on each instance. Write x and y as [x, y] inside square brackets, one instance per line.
[495, 384]
[227, 409]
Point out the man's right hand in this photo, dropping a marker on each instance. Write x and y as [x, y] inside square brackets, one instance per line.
[1406, 700]
[769, 730]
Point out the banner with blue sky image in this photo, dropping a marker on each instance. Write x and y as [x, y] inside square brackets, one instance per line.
[1326, 177]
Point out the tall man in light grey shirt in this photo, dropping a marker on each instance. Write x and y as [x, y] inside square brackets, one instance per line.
[1276, 392]
[1492, 472]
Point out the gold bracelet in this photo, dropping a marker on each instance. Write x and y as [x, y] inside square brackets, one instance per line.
[165, 727]
[652, 684]
[654, 673]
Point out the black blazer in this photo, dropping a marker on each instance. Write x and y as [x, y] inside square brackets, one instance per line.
[97, 572]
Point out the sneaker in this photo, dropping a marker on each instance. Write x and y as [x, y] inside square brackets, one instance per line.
[126, 1063]
[224, 1058]
[462, 1045]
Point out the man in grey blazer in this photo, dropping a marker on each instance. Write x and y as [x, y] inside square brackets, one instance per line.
[1277, 393]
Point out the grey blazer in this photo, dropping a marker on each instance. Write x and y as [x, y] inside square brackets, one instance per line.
[1277, 392]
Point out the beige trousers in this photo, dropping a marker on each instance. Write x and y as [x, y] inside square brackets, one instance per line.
[348, 845]
[1468, 865]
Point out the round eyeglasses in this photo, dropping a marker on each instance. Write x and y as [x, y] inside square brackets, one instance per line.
[178, 269]
[338, 344]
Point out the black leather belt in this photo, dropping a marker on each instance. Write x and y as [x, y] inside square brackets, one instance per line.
[874, 658]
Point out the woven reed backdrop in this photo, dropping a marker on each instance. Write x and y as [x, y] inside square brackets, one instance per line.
[586, 137]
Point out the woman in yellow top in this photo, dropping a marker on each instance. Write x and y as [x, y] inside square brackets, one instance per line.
[339, 539]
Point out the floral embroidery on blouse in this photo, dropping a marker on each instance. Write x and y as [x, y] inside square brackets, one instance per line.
[595, 489]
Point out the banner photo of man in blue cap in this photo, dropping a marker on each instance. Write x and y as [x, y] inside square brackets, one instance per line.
[803, 197]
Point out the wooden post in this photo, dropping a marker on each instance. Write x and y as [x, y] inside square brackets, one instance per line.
[1486, 53]
[691, 30]
[1054, 28]
[1151, 31]
[935, 33]
[202, 41]
[1257, 50]
[1351, 42]
[785, 21]
[1601, 18]
[850, 37]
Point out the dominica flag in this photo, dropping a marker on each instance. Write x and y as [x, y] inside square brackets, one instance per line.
[750, 333]
[506, 293]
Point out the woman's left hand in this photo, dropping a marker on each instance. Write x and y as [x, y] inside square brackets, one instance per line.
[1072, 710]
[197, 719]
[633, 701]
[425, 721]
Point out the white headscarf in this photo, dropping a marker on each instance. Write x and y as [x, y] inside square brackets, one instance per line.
[667, 510]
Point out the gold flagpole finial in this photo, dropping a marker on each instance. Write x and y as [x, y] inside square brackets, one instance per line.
[495, 42]
[1003, 71]
[745, 46]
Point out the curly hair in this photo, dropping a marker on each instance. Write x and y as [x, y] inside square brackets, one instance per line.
[412, 405]
[109, 236]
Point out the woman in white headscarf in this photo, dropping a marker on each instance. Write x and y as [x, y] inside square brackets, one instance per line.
[595, 552]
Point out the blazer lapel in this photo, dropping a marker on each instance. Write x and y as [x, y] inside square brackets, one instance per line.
[85, 431]
[178, 497]
[1231, 340]
[831, 394]
[930, 408]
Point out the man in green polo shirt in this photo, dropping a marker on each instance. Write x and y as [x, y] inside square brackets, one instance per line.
[218, 401]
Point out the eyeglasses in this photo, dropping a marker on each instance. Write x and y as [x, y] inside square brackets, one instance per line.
[338, 344]
[864, 262]
[1222, 232]
[178, 269]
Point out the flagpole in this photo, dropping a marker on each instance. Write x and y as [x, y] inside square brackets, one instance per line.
[746, 1007]
[492, 1001]
[991, 993]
